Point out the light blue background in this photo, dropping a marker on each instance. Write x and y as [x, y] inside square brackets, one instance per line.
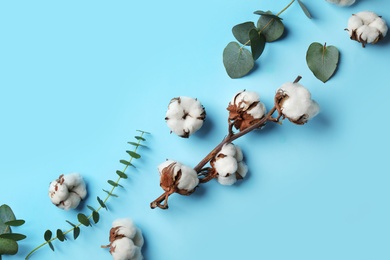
[77, 78]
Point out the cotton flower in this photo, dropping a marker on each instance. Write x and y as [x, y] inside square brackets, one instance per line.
[126, 240]
[245, 109]
[342, 2]
[67, 191]
[294, 102]
[366, 27]
[185, 116]
[229, 164]
[177, 177]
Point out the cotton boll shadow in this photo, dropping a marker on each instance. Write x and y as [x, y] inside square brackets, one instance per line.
[320, 122]
[204, 130]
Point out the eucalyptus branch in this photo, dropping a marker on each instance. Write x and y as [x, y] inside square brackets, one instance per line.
[84, 220]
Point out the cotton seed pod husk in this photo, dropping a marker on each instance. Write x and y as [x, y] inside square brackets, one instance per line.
[366, 27]
[294, 102]
[176, 177]
[245, 109]
[185, 116]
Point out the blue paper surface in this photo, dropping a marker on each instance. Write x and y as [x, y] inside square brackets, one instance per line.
[78, 78]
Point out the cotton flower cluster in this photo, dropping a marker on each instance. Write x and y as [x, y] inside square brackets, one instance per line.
[67, 191]
[366, 27]
[126, 240]
[177, 177]
[185, 116]
[229, 164]
[245, 109]
[342, 2]
[294, 102]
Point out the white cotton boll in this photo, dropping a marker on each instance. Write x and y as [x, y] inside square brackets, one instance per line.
[226, 165]
[242, 169]
[298, 102]
[138, 239]
[185, 116]
[244, 99]
[353, 23]
[228, 149]
[126, 227]
[137, 254]
[72, 179]
[367, 33]
[342, 2]
[123, 249]
[239, 155]
[380, 25]
[81, 190]
[367, 16]
[189, 178]
[258, 111]
[71, 202]
[227, 180]
[165, 164]
[58, 192]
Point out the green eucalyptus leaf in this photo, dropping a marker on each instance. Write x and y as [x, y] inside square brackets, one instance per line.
[51, 245]
[271, 27]
[6, 214]
[13, 236]
[127, 163]
[113, 183]
[136, 144]
[140, 138]
[8, 246]
[134, 154]
[304, 9]
[121, 174]
[257, 43]
[241, 32]
[70, 223]
[76, 233]
[110, 193]
[95, 217]
[322, 60]
[91, 208]
[15, 223]
[101, 203]
[60, 235]
[83, 219]
[237, 60]
[268, 13]
[48, 234]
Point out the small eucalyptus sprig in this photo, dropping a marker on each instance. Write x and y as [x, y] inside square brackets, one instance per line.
[8, 239]
[237, 59]
[94, 216]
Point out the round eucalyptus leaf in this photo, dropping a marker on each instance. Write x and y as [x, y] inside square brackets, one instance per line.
[258, 43]
[241, 32]
[6, 214]
[237, 60]
[322, 60]
[271, 27]
[8, 246]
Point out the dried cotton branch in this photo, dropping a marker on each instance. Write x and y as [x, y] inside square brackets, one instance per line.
[246, 113]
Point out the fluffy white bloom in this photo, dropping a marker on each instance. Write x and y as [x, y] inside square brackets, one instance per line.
[229, 164]
[126, 240]
[174, 175]
[342, 2]
[245, 109]
[366, 27]
[185, 116]
[67, 191]
[295, 103]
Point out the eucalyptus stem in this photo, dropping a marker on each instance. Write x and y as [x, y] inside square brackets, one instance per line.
[109, 194]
